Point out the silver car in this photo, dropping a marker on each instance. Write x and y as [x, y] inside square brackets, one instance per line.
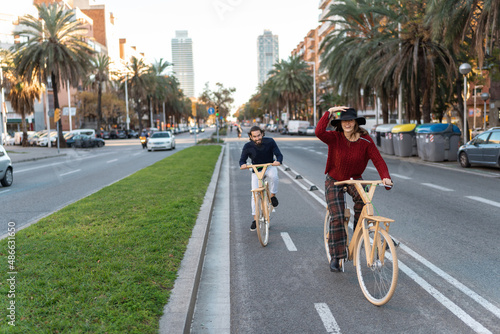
[6, 174]
[484, 149]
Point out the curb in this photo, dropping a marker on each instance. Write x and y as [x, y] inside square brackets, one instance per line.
[178, 313]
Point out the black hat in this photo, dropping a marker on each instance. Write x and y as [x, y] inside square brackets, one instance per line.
[347, 115]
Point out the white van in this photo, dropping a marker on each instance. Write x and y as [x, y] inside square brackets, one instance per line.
[88, 132]
[293, 126]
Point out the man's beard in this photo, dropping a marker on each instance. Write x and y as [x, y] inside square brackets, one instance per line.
[258, 142]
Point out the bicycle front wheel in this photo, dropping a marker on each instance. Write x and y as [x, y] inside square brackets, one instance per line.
[326, 233]
[379, 280]
[262, 219]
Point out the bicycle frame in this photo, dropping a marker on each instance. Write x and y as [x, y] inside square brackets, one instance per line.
[262, 195]
[365, 219]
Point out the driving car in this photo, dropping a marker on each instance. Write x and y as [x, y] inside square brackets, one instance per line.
[194, 129]
[6, 170]
[84, 141]
[483, 149]
[161, 140]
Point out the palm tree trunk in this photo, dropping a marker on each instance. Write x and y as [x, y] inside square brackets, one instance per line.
[99, 105]
[24, 143]
[62, 141]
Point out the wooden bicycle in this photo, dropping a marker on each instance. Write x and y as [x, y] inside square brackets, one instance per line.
[371, 248]
[263, 206]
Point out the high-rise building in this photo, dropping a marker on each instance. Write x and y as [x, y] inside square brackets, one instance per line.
[182, 57]
[268, 54]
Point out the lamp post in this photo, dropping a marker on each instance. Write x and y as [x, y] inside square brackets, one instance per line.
[314, 89]
[465, 69]
[484, 96]
[126, 101]
[3, 126]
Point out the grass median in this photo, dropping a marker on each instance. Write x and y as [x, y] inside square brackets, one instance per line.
[107, 263]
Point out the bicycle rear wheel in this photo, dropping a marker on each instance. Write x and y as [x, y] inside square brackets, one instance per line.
[262, 219]
[378, 282]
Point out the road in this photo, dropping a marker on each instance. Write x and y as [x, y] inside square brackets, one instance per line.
[44, 186]
[446, 219]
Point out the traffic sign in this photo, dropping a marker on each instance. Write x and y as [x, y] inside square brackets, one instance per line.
[211, 111]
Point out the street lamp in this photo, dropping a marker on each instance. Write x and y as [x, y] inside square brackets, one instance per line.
[465, 69]
[484, 96]
[3, 126]
[314, 89]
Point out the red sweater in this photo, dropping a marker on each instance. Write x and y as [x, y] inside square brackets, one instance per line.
[349, 159]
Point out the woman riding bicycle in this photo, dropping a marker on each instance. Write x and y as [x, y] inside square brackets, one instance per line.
[349, 149]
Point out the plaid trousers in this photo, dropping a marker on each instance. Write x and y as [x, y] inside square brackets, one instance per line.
[337, 239]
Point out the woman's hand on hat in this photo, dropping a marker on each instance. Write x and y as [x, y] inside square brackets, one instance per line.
[333, 110]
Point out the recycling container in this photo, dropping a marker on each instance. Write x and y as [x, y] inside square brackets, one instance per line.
[404, 140]
[386, 145]
[437, 141]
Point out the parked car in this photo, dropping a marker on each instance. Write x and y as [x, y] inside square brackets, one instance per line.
[43, 140]
[105, 135]
[84, 141]
[161, 140]
[132, 134]
[310, 130]
[484, 149]
[6, 170]
[121, 134]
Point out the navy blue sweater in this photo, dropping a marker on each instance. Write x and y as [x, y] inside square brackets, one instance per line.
[261, 154]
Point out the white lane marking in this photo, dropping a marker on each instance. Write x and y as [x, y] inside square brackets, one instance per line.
[401, 176]
[288, 242]
[304, 187]
[327, 317]
[480, 300]
[452, 307]
[110, 161]
[4, 191]
[73, 171]
[484, 200]
[436, 187]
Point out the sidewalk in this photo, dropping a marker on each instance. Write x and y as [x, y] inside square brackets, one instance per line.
[18, 153]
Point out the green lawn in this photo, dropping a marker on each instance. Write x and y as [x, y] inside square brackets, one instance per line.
[107, 263]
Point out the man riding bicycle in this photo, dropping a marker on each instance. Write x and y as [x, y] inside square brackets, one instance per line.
[262, 150]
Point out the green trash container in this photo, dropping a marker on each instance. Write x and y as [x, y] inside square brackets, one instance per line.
[437, 141]
[404, 140]
[386, 145]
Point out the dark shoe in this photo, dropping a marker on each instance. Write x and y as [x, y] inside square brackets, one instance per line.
[253, 226]
[334, 265]
[274, 201]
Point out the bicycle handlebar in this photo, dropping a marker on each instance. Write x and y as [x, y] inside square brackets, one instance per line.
[374, 183]
[256, 166]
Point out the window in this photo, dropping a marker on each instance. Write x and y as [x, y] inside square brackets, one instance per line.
[495, 138]
[481, 139]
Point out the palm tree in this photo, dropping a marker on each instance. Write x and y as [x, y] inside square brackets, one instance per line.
[100, 72]
[138, 86]
[292, 79]
[55, 49]
[470, 28]
[22, 94]
[370, 52]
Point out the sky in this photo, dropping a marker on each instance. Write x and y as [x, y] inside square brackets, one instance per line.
[224, 34]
